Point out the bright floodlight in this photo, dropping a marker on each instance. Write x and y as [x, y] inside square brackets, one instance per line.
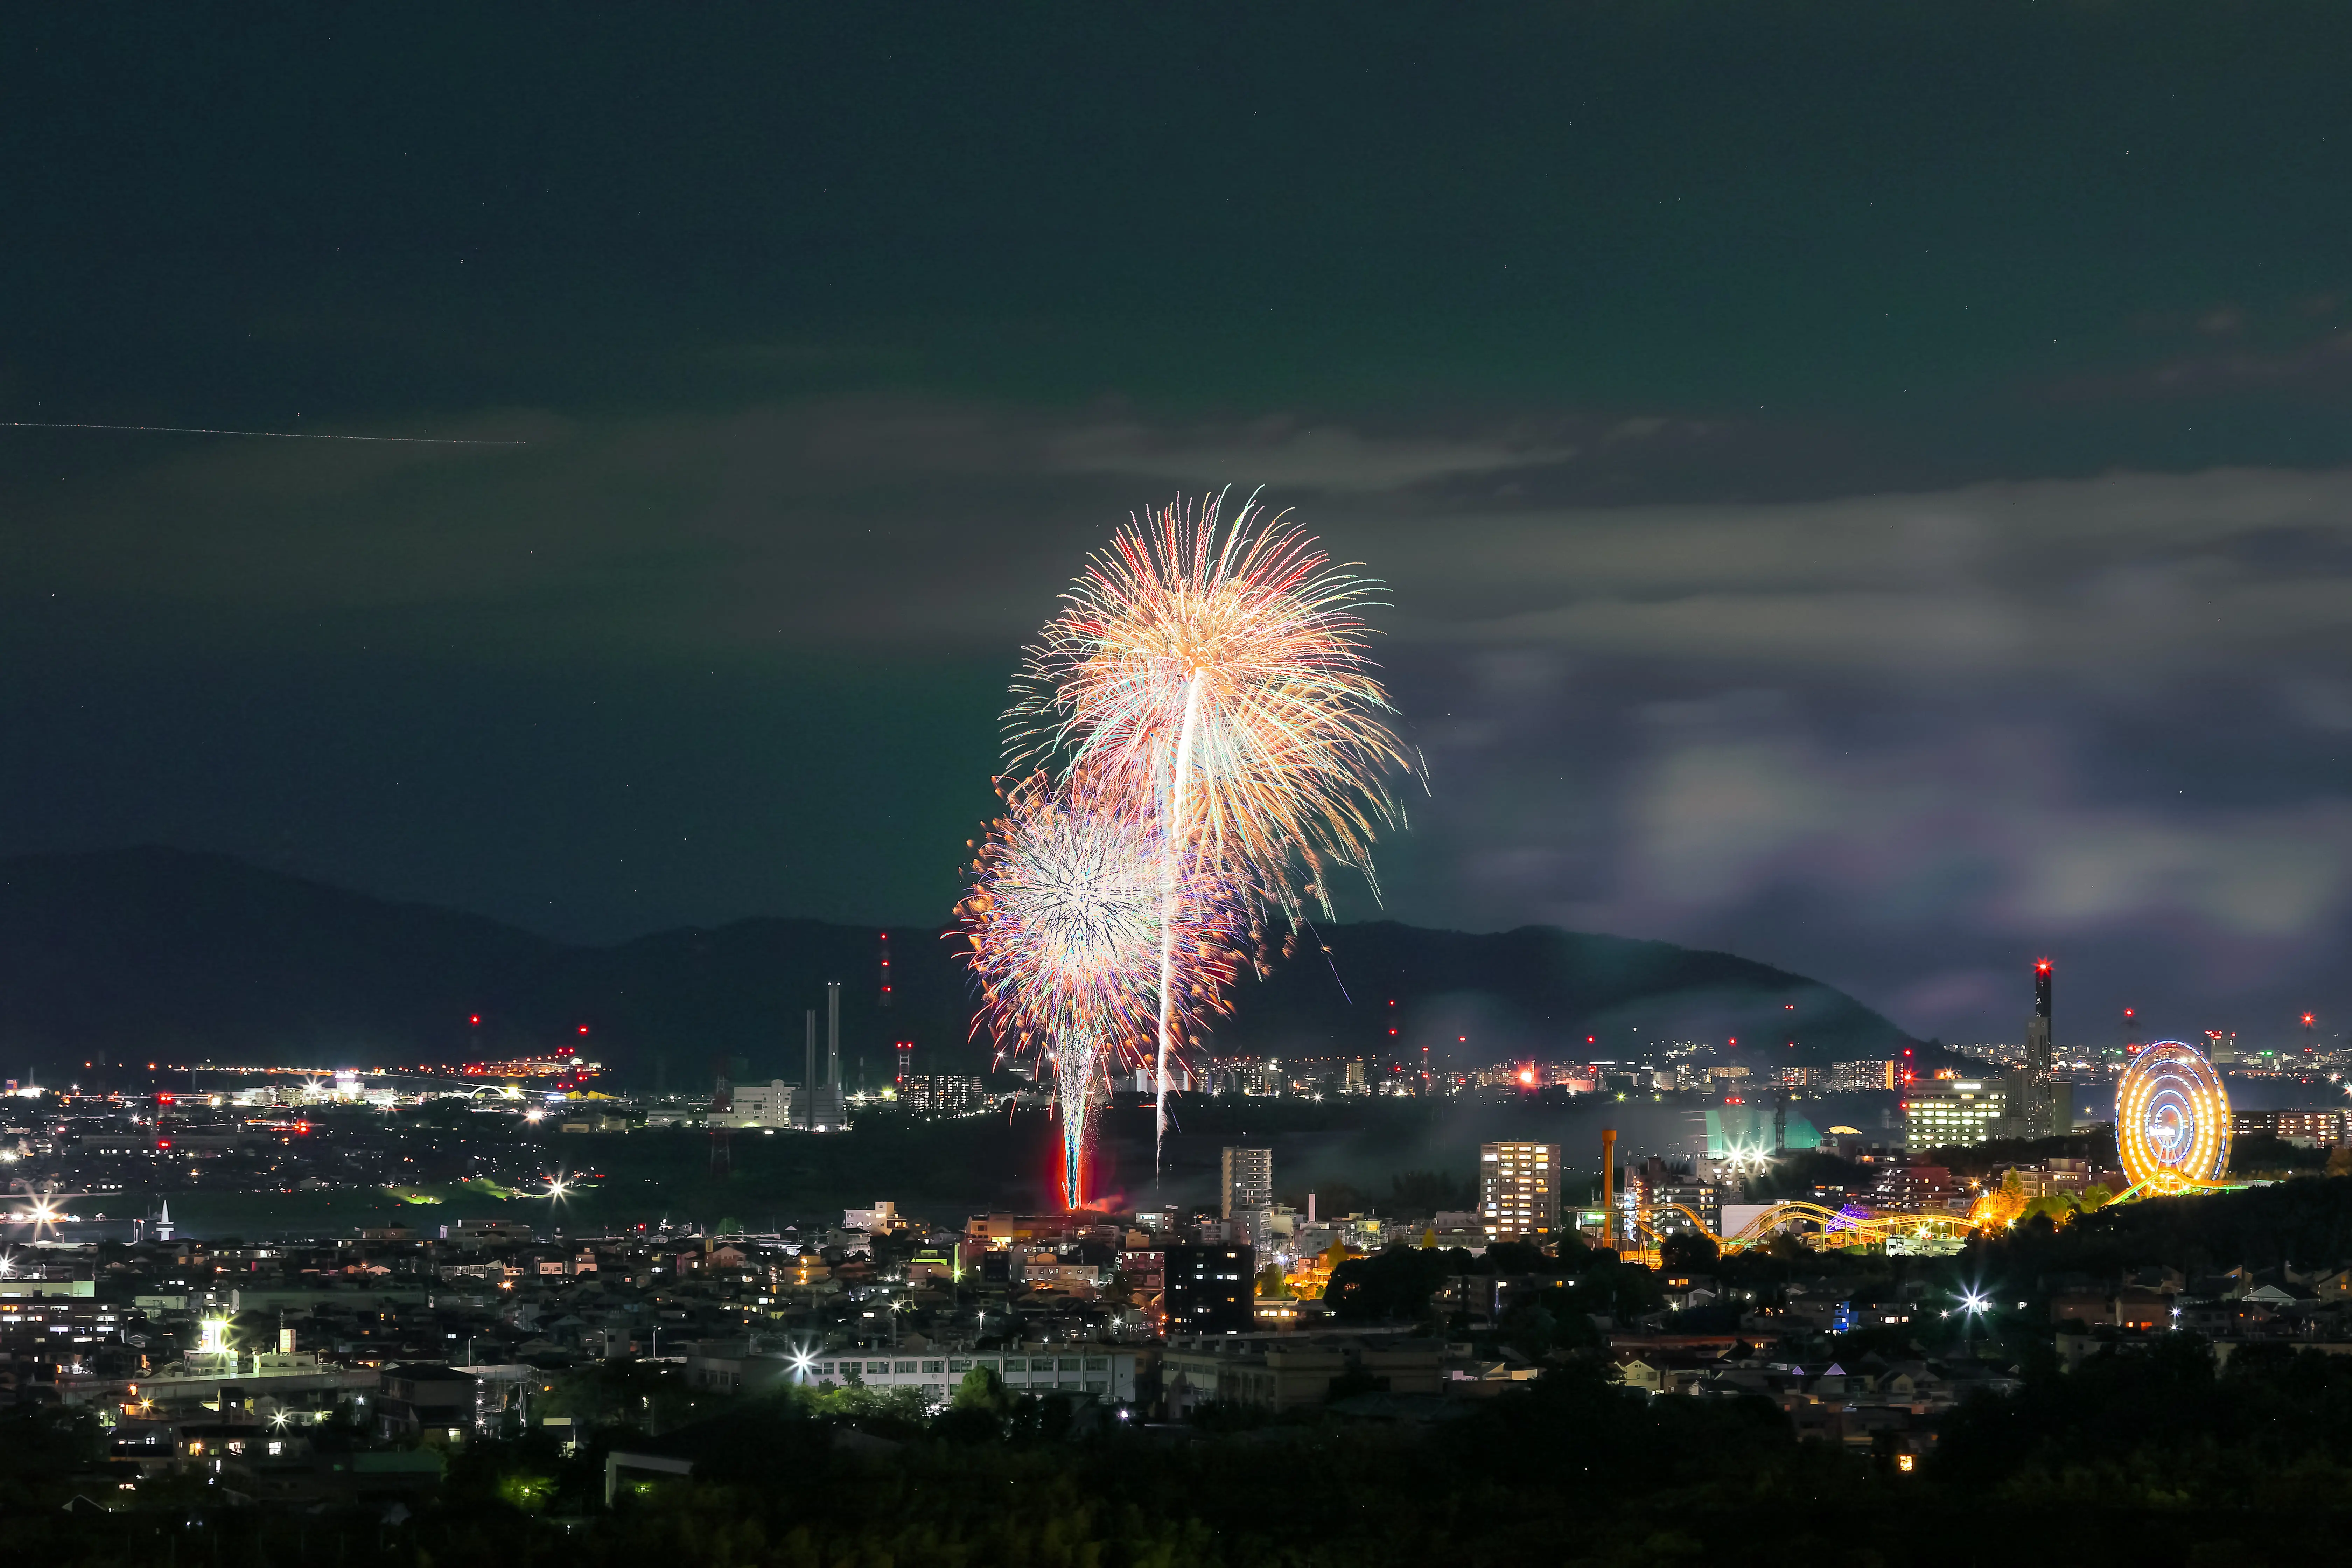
[1975, 1303]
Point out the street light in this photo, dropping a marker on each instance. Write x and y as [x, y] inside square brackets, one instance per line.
[1974, 1304]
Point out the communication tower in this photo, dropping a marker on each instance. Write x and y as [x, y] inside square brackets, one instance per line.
[2039, 1106]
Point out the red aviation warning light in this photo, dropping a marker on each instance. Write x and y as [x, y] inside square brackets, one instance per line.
[885, 968]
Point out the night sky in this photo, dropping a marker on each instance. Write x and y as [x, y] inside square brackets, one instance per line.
[1867, 487]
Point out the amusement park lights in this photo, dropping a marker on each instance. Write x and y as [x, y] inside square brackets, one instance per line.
[2172, 1120]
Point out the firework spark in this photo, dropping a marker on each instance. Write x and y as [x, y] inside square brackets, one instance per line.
[1065, 920]
[1221, 672]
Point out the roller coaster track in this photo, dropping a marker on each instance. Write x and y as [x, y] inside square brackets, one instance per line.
[1833, 1227]
[2179, 1189]
[1842, 1228]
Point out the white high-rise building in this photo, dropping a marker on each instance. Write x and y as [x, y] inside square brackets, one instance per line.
[1518, 1190]
[1249, 1181]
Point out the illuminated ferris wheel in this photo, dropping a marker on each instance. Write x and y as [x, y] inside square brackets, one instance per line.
[2172, 1120]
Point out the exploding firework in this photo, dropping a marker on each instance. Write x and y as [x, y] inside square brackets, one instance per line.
[1063, 919]
[1220, 672]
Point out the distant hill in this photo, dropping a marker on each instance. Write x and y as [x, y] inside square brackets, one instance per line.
[154, 955]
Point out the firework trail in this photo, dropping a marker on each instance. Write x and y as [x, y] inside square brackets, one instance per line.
[1219, 671]
[1063, 917]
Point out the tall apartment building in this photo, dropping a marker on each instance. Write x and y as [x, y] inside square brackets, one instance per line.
[1249, 1181]
[1518, 1190]
[1209, 1290]
[1953, 1110]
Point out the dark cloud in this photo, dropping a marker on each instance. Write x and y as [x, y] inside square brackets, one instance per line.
[1897, 739]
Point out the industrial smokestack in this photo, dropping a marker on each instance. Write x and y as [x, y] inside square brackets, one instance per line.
[1608, 1188]
[832, 1033]
[808, 1080]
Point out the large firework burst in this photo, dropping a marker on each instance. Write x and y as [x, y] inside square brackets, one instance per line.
[1064, 919]
[1221, 672]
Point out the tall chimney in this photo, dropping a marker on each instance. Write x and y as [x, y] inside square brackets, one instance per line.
[832, 1033]
[808, 1079]
[1608, 1188]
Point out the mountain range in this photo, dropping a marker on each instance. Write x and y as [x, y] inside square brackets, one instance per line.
[129, 956]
